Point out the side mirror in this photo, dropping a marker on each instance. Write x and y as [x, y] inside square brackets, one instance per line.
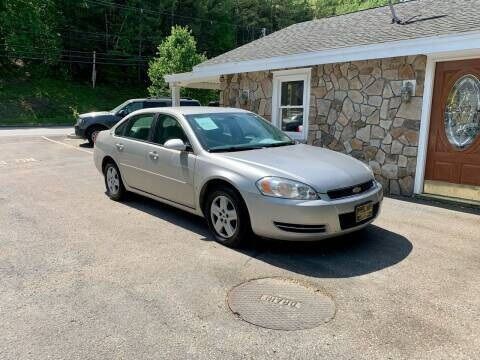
[175, 144]
[121, 113]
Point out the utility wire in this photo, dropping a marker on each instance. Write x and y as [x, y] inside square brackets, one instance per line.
[34, 48]
[71, 61]
[166, 13]
[52, 55]
[98, 37]
[71, 54]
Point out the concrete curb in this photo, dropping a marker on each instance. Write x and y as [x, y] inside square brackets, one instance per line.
[49, 126]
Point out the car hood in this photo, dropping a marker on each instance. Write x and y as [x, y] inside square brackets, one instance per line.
[96, 114]
[320, 168]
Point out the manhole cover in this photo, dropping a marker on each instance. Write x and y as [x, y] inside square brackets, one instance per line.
[281, 304]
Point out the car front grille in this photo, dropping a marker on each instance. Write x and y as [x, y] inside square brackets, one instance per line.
[349, 220]
[350, 191]
[304, 229]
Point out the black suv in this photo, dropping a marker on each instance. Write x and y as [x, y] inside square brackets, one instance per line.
[89, 125]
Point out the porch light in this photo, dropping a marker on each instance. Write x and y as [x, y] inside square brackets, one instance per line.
[244, 97]
[407, 91]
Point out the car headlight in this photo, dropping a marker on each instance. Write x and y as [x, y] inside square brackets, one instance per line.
[284, 188]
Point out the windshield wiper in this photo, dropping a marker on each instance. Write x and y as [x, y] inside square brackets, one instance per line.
[243, 148]
[280, 144]
[235, 148]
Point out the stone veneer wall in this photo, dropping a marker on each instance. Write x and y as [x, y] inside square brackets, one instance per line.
[355, 108]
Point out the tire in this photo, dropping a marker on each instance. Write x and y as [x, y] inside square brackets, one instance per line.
[92, 134]
[227, 217]
[113, 182]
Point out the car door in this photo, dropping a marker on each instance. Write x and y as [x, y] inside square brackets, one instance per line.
[171, 172]
[131, 150]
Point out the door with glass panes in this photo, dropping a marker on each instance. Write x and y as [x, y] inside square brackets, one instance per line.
[454, 138]
[290, 113]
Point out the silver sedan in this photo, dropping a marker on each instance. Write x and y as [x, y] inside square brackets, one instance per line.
[245, 176]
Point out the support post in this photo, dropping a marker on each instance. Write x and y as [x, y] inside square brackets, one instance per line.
[94, 70]
[175, 88]
[424, 125]
[140, 47]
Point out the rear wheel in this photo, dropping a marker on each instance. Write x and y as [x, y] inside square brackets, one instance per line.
[227, 217]
[113, 182]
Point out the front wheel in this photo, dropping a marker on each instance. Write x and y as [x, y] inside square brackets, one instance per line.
[113, 182]
[92, 134]
[228, 217]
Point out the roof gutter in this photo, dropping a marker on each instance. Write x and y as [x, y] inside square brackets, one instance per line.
[425, 45]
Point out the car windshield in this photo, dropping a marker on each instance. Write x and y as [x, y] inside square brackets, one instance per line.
[119, 107]
[221, 132]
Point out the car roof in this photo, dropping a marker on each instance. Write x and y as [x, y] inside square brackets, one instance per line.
[191, 110]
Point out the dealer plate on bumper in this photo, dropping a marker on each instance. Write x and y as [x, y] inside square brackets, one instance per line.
[364, 212]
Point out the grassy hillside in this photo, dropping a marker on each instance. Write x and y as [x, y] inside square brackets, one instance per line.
[56, 102]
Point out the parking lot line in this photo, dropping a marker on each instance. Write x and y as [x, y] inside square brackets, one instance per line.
[67, 145]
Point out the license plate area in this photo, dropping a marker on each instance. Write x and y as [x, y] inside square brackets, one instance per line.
[363, 212]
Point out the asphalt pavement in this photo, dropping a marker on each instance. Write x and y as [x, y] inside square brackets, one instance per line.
[82, 277]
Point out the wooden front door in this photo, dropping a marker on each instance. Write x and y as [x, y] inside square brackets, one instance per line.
[454, 141]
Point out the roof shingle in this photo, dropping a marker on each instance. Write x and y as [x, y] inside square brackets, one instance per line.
[428, 18]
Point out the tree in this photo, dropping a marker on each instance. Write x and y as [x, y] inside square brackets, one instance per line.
[253, 15]
[335, 7]
[176, 54]
[59, 36]
[21, 22]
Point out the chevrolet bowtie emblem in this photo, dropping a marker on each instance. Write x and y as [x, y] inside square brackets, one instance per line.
[356, 189]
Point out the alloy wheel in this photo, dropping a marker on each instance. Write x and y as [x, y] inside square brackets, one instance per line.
[94, 136]
[113, 180]
[224, 216]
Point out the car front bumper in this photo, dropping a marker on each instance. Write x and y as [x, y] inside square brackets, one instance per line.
[79, 131]
[284, 219]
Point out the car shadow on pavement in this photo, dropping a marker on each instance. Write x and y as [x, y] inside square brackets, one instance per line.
[371, 249]
[169, 213]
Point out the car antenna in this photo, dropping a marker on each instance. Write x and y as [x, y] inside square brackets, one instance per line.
[395, 18]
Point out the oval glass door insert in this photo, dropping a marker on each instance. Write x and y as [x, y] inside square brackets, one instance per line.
[462, 112]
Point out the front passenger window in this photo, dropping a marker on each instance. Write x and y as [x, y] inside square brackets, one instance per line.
[133, 106]
[140, 127]
[168, 128]
[120, 129]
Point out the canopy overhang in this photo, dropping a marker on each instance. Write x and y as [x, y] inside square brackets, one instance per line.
[194, 81]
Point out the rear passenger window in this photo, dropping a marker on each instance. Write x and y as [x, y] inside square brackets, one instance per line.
[140, 127]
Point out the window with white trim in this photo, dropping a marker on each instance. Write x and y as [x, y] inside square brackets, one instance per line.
[291, 92]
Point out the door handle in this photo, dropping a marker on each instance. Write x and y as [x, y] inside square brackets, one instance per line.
[153, 155]
[120, 147]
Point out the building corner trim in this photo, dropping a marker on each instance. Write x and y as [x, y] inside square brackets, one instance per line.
[424, 126]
